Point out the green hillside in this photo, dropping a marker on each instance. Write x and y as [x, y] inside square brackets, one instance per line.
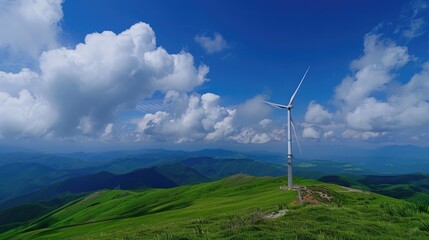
[232, 208]
[411, 187]
[153, 177]
[19, 210]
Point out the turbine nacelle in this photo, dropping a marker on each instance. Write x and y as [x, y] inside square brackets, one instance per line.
[281, 106]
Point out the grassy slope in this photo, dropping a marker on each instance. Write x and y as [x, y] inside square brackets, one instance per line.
[138, 179]
[411, 187]
[20, 215]
[227, 209]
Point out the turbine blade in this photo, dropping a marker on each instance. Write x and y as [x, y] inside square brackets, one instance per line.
[299, 85]
[276, 105]
[296, 137]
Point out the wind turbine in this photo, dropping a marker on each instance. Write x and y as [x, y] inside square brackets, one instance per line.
[289, 124]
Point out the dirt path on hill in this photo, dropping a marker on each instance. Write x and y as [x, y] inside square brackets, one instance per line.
[352, 189]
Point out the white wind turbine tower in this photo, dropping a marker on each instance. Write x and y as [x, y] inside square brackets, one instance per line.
[289, 123]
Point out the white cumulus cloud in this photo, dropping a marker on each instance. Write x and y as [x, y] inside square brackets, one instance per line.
[364, 135]
[112, 71]
[310, 132]
[316, 113]
[265, 122]
[81, 90]
[329, 134]
[372, 71]
[29, 26]
[13, 83]
[366, 106]
[78, 92]
[196, 117]
[24, 115]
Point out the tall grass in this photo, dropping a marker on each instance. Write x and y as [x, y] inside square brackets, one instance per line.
[404, 210]
[167, 236]
[407, 210]
[422, 207]
[424, 226]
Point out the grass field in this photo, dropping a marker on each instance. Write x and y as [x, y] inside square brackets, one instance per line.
[232, 208]
[410, 187]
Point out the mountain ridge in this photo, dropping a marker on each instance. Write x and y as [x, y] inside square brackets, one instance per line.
[233, 207]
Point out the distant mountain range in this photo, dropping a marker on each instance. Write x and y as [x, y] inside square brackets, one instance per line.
[401, 151]
[21, 177]
[38, 182]
[175, 173]
[30, 171]
[6, 148]
[49, 160]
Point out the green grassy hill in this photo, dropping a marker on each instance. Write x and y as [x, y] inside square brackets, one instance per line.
[411, 187]
[154, 177]
[232, 208]
[19, 210]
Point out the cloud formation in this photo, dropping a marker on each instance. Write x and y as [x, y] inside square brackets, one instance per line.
[28, 27]
[80, 90]
[24, 110]
[316, 113]
[371, 102]
[413, 19]
[196, 117]
[24, 115]
[78, 93]
[109, 72]
[212, 44]
[372, 71]
[310, 132]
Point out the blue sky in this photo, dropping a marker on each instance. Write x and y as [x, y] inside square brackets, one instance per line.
[92, 75]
